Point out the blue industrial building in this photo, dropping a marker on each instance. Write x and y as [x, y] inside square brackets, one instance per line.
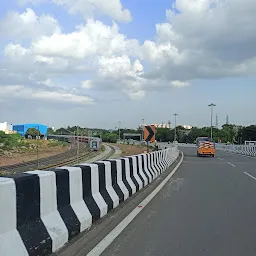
[22, 128]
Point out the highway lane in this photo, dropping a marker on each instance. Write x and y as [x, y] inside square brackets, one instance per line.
[207, 208]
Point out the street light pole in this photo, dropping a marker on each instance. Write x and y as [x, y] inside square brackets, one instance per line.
[77, 151]
[211, 105]
[175, 132]
[37, 148]
[142, 128]
[119, 130]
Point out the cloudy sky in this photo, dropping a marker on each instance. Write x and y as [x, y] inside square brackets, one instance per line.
[97, 62]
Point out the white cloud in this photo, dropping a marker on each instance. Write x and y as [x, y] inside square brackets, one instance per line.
[27, 25]
[136, 95]
[178, 83]
[112, 8]
[23, 92]
[93, 38]
[195, 6]
[87, 84]
[47, 82]
[88, 8]
[15, 51]
[119, 66]
[94, 44]
[206, 39]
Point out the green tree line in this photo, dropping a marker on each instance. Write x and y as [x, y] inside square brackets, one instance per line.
[106, 135]
[227, 133]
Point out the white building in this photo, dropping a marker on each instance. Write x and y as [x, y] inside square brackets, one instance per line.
[5, 127]
[189, 127]
[163, 126]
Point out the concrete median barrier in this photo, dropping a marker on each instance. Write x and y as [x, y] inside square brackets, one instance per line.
[42, 210]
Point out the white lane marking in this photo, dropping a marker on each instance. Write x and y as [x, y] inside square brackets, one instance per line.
[231, 164]
[246, 173]
[103, 244]
[220, 159]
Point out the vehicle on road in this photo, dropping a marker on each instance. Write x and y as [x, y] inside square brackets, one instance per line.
[205, 146]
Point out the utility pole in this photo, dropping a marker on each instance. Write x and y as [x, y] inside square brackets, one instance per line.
[175, 132]
[77, 151]
[217, 122]
[119, 130]
[142, 128]
[212, 106]
[37, 148]
[227, 120]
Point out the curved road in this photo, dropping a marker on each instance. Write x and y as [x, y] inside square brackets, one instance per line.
[208, 208]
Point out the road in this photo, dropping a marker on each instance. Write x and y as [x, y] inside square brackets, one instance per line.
[207, 209]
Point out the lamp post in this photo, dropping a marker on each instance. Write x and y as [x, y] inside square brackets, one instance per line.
[142, 132]
[212, 106]
[175, 132]
[77, 151]
[119, 131]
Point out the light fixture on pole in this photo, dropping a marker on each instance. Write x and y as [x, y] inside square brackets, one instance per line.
[212, 106]
[175, 133]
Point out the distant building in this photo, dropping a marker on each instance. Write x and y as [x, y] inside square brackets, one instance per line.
[22, 128]
[7, 128]
[163, 125]
[189, 127]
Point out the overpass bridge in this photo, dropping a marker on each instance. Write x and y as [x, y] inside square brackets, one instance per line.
[168, 202]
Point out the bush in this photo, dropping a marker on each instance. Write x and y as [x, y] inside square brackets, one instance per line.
[10, 141]
[110, 137]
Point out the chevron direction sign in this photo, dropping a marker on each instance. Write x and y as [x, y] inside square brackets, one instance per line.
[149, 133]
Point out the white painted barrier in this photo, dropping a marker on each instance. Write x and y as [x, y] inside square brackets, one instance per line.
[42, 210]
[238, 149]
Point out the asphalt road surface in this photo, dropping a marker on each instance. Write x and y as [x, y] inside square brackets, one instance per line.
[208, 208]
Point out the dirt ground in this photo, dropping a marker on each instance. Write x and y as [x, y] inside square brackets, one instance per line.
[128, 150]
[44, 151]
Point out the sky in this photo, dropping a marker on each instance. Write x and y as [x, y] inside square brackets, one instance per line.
[94, 63]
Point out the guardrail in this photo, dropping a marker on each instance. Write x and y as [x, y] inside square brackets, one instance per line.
[248, 150]
[42, 210]
[189, 145]
[238, 149]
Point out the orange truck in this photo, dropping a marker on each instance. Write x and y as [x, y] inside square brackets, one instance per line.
[205, 146]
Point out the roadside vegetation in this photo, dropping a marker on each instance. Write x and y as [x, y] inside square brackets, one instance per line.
[15, 144]
[228, 133]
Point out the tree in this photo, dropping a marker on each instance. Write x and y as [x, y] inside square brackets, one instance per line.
[247, 133]
[50, 131]
[33, 132]
[110, 137]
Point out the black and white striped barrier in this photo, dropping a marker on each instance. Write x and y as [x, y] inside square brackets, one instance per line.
[42, 210]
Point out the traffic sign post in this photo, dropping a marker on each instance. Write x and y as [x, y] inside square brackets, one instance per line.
[149, 134]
